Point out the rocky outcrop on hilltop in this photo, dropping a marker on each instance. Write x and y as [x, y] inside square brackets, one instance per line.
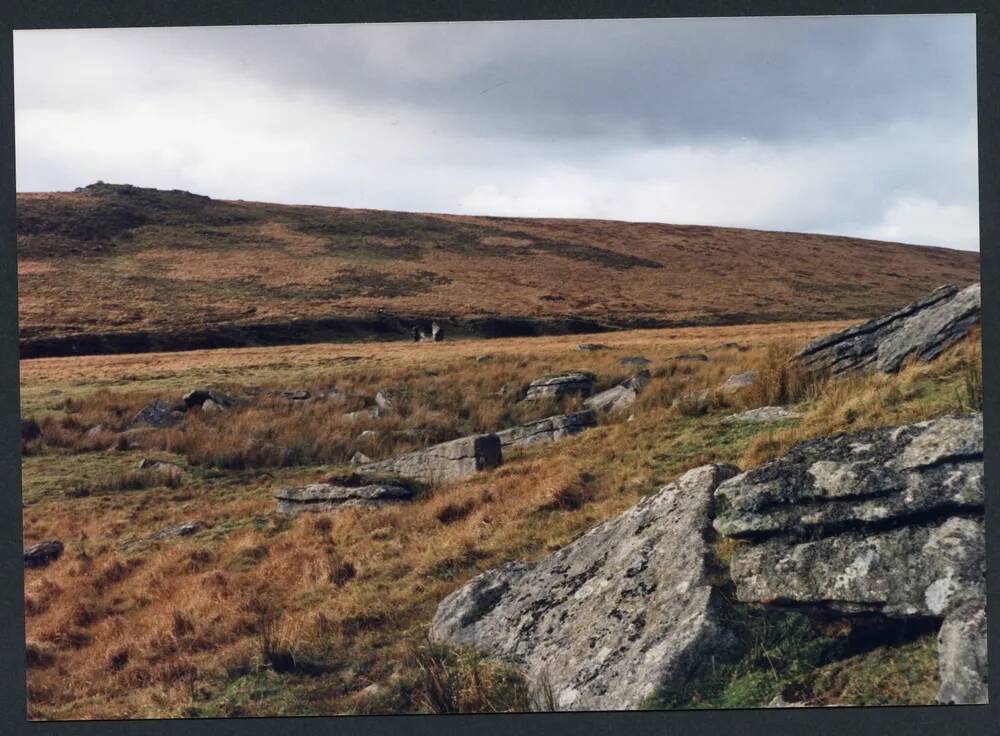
[886, 522]
[548, 429]
[919, 331]
[444, 462]
[626, 609]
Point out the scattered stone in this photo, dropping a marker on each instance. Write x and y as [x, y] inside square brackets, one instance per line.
[778, 701]
[43, 553]
[294, 394]
[156, 414]
[619, 397]
[360, 458]
[763, 414]
[344, 492]
[639, 381]
[180, 530]
[919, 331]
[591, 347]
[30, 430]
[171, 470]
[695, 357]
[385, 401]
[625, 610]
[615, 398]
[484, 358]
[548, 429]
[738, 381]
[447, 461]
[212, 407]
[634, 360]
[199, 396]
[371, 691]
[560, 385]
[368, 434]
[94, 431]
[732, 346]
[356, 416]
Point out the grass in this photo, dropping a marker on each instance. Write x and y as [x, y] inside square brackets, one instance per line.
[263, 615]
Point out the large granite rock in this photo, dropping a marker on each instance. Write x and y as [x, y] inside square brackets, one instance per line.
[920, 331]
[851, 480]
[738, 382]
[343, 492]
[885, 521]
[548, 429]
[623, 611]
[914, 570]
[962, 656]
[560, 385]
[447, 461]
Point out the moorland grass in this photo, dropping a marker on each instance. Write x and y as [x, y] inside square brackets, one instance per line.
[258, 614]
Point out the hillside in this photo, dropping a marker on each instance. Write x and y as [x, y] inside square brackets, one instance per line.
[116, 268]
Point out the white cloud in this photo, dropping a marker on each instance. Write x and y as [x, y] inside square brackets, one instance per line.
[928, 222]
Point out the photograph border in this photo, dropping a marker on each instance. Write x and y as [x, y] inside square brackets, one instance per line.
[38, 14]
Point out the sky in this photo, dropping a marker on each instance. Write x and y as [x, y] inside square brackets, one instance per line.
[852, 125]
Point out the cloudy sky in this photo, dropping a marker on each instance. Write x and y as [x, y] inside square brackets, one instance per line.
[860, 126]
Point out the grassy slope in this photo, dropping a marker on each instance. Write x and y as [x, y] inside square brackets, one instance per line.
[259, 615]
[107, 260]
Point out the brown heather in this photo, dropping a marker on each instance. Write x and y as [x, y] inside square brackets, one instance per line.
[326, 613]
[168, 264]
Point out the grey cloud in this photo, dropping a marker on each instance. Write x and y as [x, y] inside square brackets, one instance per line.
[657, 80]
[850, 125]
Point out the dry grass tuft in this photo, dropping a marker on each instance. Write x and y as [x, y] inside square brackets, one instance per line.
[780, 380]
[453, 681]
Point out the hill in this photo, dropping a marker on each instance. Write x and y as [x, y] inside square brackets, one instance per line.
[117, 268]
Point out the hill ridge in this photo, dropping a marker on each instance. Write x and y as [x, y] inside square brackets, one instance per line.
[115, 265]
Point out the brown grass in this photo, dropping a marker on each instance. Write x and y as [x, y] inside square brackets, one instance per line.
[307, 613]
